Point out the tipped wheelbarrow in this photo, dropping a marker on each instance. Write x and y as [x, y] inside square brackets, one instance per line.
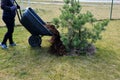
[35, 25]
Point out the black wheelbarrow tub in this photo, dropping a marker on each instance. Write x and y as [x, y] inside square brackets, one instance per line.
[33, 23]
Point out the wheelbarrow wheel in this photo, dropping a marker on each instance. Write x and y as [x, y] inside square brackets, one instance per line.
[34, 41]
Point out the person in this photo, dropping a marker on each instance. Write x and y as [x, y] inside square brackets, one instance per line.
[9, 13]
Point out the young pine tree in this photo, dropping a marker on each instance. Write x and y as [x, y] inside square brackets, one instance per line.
[78, 36]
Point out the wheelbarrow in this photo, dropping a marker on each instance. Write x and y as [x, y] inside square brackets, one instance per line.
[35, 25]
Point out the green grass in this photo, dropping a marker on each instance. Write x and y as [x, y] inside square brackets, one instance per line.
[25, 63]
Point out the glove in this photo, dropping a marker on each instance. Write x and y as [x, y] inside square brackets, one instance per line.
[18, 7]
[13, 8]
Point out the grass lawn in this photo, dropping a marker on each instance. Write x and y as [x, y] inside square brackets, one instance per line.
[25, 63]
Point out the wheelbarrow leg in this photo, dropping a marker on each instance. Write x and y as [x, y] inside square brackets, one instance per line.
[35, 41]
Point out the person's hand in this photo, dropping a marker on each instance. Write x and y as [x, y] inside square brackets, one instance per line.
[13, 8]
[18, 7]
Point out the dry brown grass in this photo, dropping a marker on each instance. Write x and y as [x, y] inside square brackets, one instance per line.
[50, 11]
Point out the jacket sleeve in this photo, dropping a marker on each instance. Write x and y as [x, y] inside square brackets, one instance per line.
[4, 5]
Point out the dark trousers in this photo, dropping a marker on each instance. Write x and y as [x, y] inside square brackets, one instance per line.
[10, 23]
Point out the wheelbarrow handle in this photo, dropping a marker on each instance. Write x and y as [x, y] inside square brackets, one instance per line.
[19, 13]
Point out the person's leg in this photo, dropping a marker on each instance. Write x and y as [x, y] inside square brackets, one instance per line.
[5, 38]
[6, 34]
[10, 28]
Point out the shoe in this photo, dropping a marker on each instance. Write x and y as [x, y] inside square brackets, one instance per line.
[4, 46]
[13, 44]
